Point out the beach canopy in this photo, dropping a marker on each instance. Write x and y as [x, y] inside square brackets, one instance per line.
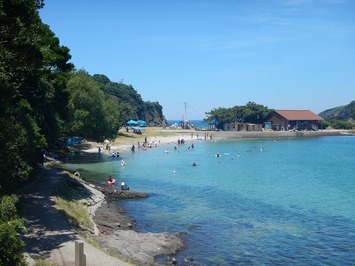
[132, 122]
[142, 123]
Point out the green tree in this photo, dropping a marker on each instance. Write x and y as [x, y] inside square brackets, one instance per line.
[254, 113]
[341, 124]
[249, 113]
[92, 114]
[11, 247]
[33, 67]
[221, 116]
[131, 104]
[352, 110]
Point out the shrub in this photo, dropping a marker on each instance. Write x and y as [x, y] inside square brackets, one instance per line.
[11, 247]
[340, 124]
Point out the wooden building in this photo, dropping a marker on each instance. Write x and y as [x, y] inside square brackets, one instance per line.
[295, 120]
[235, 126]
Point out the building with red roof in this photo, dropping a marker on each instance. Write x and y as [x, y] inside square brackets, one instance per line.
[296, 120]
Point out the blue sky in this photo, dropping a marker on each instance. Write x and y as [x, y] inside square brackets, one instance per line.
[284, 54]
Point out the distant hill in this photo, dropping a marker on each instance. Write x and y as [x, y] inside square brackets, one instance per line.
[152, 112]
[344, 112]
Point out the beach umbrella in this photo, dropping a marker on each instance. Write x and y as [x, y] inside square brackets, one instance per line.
[142, 123]
[132, 122]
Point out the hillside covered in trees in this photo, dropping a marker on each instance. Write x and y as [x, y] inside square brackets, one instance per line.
[44, 99]
[344, 112]
[341, 117]
[131, 102]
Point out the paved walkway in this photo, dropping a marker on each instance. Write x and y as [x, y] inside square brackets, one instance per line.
[48, 232]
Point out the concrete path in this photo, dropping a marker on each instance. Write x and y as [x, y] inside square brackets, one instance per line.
[48, 233]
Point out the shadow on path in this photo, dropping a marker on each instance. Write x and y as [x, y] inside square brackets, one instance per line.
[46, 227]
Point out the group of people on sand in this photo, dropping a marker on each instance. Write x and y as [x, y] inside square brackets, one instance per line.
[147, 145]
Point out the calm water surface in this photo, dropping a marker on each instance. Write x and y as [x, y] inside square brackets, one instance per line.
[263, 202]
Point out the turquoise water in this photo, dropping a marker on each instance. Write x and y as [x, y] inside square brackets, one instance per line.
[196, 123]
[284, 202]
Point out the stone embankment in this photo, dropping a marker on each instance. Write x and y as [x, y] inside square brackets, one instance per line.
[272, 134]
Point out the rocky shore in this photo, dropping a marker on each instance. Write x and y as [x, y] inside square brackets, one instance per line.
[116, 231]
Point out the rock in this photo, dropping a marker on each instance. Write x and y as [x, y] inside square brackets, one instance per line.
[142, 248]
[116, 194]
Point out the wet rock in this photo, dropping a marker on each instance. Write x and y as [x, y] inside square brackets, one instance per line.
[112, 193]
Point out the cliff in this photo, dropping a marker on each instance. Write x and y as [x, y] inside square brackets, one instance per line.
[126, 95]
[344, 112]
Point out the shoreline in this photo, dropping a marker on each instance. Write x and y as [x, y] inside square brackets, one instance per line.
[159, 136]
[116, 228]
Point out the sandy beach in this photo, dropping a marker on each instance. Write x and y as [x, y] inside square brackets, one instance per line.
[163, 136]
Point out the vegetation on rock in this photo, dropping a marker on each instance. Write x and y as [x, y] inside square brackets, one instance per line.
[341, 117]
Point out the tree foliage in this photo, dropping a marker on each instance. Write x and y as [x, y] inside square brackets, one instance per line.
[33, 73]
[130, 101]
[344, 112]
[249, 113]
[11, 247]
[92, 114]
[340, 124]
[38, 105]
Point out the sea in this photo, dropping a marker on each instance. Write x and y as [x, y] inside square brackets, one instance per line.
[196, 123]
[246, 202]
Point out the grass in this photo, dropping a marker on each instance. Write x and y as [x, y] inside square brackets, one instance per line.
[67, 199]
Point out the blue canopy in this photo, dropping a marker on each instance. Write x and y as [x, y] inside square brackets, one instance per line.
[142, 123]
[132, 122]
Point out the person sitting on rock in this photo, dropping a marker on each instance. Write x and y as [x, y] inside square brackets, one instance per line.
[111, 181]
[124, 186]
